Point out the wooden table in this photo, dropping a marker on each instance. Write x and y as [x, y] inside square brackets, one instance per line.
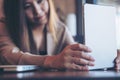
[61, 75]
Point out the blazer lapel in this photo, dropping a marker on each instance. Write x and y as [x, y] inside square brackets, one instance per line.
[50, 44]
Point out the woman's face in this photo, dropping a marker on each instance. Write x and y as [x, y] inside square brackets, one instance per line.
[36, 11]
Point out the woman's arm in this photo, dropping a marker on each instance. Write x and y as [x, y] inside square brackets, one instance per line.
[10, 54]
[73, 57]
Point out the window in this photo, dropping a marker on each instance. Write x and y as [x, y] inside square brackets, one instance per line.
[66, 11]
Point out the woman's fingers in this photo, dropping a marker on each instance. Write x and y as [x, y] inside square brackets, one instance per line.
[83, 55]
[117, 63]
[117, 67]
[80, 61]
[117, 60]
[80, 47]
[75, 63]
[78, 50]
[74, 57]
[73, 66]
[118, 52]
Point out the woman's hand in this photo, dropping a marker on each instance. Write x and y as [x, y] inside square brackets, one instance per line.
[73, 57]
[117, 61]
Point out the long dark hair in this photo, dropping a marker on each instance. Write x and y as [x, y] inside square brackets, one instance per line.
[17, 25]
[11, 10]
[15, 22]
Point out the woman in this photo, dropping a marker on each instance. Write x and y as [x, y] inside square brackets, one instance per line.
[37, 37]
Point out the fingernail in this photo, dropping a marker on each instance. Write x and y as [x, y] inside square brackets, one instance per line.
[118, 68]
[90, 49]
[91, 64]
[92, 58]
[117, 61]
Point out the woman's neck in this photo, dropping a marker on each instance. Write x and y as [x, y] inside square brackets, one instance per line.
[39, 36]
[38, 28]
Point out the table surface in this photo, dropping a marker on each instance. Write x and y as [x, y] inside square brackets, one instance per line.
[65, 75]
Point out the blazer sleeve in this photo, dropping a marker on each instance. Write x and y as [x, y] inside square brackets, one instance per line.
[6, 47]
[11, 55]
[68, 37]
[64, 38]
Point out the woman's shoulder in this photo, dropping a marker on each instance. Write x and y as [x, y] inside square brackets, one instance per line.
[60, 26]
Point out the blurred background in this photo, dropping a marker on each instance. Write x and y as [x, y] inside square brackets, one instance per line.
[71, 13]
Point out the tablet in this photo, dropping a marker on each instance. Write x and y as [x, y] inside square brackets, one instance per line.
[100, 34]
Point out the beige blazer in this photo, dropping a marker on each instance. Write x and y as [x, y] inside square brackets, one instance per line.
[64, 38]
[10, 54]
